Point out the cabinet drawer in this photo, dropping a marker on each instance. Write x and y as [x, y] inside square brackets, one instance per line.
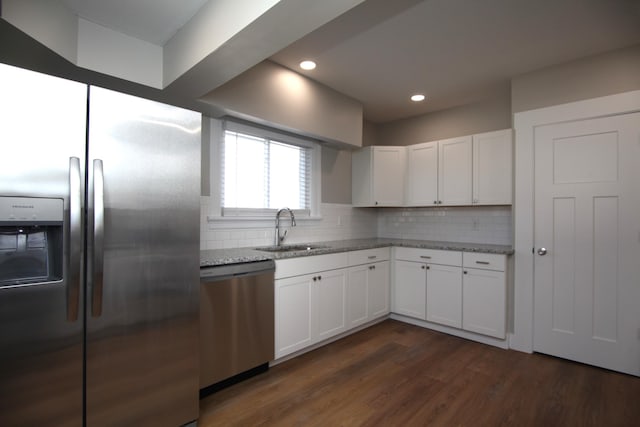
[368, 255]
[484, 261]
[309, 264]
[431, 256]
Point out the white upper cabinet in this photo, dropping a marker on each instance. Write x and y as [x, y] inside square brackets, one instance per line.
[378, 175]
[454, 171]
[422, 174]
[469, 170]
[439, 173]
[492, 168]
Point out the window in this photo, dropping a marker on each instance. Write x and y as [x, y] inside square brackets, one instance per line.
[262, 171]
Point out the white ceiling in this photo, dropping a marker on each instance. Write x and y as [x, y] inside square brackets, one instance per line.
[154, 21]
[382, 51]
[454, 51]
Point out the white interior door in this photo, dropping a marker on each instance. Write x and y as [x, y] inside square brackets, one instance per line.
[587, 219]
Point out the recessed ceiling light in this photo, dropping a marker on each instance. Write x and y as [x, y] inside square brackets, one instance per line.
[417, 97]
[307, 65]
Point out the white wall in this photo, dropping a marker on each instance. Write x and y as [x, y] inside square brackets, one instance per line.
[210, 28]
[273, 95]
[609, 73]
[492, 113]
[106, 51]
[339, 222]
[47, 21]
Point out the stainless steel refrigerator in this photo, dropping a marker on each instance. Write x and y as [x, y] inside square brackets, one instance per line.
[99, 256]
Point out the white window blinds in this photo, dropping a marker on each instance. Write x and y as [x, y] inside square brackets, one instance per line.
[262, 172]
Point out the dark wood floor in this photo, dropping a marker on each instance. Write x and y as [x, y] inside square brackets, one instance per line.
[395, 374]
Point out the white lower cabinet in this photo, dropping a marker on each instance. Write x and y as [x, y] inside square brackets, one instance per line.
[310, 301]
[410, 289]
[444, 295]
[293, 314]
[484, 294]
[309, 308]
[378, 284]
[367, 293]
[318, 297]
[357, 301]
[465, 291]
[428, 285]
[328, 296]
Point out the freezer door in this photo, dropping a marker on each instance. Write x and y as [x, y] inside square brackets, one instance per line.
[42, 126]
[143, 268]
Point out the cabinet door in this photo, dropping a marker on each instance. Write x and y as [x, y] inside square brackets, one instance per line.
[492, 168]
[378, 289]
[293, 314]
[484, 302]
[409, 292]
[388, 176]
[422, 174]
[329, 303]
[444, 295]
[357, 299]
[454, 171]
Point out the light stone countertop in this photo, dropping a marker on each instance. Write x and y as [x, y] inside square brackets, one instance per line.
[216, 257]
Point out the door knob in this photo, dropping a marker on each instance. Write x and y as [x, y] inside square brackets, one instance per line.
[542, 251]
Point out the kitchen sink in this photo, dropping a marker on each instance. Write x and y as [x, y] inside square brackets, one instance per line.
[290, 248]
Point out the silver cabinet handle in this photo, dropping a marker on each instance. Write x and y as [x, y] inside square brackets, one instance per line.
[372, 257]
[482, 262]
[542, 251]
[425, 257]
[75, 240]
[98, 238]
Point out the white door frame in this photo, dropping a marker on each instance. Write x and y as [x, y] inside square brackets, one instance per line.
[525, 124]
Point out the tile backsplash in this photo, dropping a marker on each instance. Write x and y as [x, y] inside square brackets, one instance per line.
[472, 224]
[338, 222]
[490, 225]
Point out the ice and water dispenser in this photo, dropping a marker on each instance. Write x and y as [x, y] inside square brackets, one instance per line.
[31, 240]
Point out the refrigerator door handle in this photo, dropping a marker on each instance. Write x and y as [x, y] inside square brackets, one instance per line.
[98, 238]
[75, 239]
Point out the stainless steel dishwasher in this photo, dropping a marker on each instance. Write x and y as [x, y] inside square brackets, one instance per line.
[236, 322]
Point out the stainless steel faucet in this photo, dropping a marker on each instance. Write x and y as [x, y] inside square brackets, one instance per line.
[280, 239]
